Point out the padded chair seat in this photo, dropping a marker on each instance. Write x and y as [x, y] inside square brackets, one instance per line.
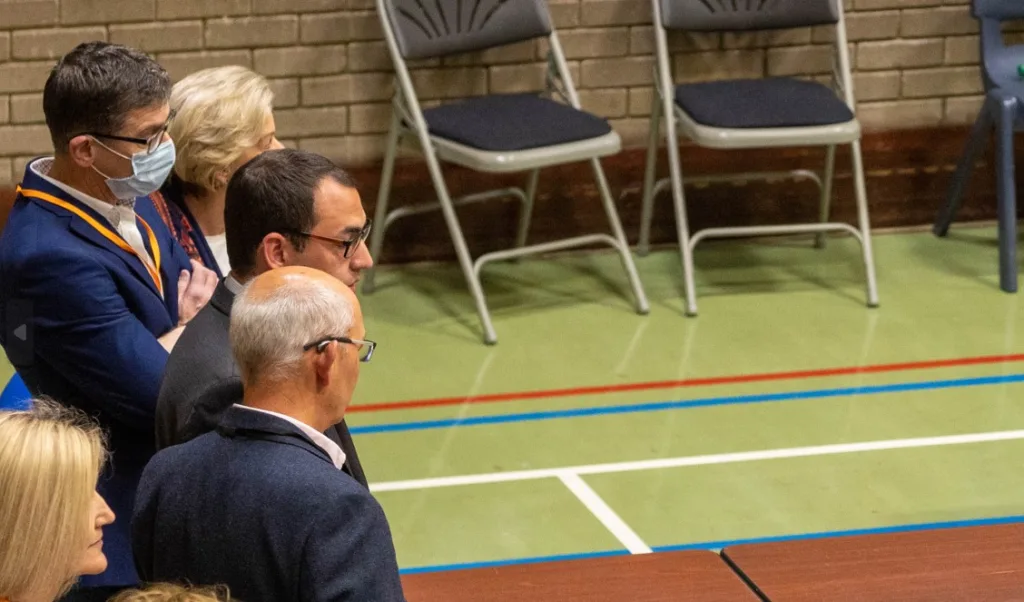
[762, 103]
[513, 122]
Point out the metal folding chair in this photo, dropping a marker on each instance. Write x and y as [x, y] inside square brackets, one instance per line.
[1002, 112]
[495, 133]
[753, 113]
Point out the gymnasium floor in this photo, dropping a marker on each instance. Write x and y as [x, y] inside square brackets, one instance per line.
[786, 409]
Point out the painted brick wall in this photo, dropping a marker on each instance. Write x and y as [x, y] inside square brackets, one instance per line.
[915, 61]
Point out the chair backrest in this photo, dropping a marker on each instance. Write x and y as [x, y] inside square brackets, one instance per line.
[746, 15]
[999, 61]
[433, 28]
[998, 9]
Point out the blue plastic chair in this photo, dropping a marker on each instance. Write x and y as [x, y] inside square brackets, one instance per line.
[1001, 111]
[15, 395]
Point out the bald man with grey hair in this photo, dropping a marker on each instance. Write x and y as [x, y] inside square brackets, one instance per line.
[261, 504]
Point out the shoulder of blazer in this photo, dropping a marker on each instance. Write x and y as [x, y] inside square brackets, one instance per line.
[257, 425]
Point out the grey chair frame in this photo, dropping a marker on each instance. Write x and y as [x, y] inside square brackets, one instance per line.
[1001, 112]
[409, 129]
[677, 122]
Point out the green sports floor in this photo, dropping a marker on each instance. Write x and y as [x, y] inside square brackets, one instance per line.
[787, 409]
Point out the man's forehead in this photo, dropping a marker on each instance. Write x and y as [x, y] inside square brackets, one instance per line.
[341, 205]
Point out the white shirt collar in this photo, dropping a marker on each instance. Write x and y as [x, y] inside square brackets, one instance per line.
[233, 284]
[321, 440]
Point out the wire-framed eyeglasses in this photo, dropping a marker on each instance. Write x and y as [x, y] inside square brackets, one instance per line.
[366, 348]
[348, 247]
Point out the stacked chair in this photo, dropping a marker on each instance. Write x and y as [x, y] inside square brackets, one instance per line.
[1001, 112]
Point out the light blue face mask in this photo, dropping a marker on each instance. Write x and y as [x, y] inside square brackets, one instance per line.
[149, 171]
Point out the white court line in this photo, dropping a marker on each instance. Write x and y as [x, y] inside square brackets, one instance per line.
[604, 513]
[753, 456]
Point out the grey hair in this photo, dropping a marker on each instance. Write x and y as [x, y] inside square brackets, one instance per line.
[268, 332]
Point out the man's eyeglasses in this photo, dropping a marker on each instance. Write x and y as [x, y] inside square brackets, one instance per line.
[348, 247]
[151, 143]
[365, 347]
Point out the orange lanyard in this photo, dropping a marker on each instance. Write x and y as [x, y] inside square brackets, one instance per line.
[154, 271]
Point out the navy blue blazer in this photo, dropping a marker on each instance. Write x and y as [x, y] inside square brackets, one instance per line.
[257, 506]
[92, 314]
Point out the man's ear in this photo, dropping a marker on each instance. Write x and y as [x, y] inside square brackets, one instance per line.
[324, 362]
[82, 150]
[276, 250]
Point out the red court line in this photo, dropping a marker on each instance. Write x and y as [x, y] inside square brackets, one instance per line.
[693, 382]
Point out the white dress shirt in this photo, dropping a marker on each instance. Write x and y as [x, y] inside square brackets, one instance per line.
[333, 449]
[121, 215]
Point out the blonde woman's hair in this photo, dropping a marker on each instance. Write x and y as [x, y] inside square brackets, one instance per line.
[50, 461]
[220, 112]
[169, 592]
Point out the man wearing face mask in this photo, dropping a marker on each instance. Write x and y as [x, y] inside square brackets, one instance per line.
[94, 291]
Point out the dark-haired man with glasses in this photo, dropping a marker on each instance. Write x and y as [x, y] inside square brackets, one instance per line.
[283, 208]
[94, 290]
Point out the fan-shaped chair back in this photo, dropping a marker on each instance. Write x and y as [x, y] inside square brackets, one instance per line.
[432, 28]
[744, 15]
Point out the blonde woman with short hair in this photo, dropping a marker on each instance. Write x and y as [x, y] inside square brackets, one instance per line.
[169, 592]
[51, 517]
[223, 117]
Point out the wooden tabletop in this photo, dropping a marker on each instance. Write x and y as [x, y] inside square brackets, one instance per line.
[693, 576]
[975, 564]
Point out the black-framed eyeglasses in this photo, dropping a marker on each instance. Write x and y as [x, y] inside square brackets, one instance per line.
[365, 347]
[348, 247]
[151, 143]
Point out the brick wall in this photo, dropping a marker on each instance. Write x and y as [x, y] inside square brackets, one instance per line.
[915, 61]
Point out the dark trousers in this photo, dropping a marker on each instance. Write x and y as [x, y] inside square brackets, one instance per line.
[91, 594]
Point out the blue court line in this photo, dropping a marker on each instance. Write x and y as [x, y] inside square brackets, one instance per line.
[685, 403]
[511, 561]
[717, 545]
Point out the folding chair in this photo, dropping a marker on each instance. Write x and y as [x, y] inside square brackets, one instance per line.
[495, 133]
[1001, 111]
[757, 113]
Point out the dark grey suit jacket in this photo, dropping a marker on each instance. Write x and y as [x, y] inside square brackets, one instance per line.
[258, 507]
[202, 380]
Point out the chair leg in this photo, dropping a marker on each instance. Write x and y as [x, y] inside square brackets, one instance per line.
[962, 176]
[527, 210]
[682, 225]
[381, 211]
[864, 223]
[826, 193]
[647, 207]
[1007, 117]
[459, 241]
[642, 307]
